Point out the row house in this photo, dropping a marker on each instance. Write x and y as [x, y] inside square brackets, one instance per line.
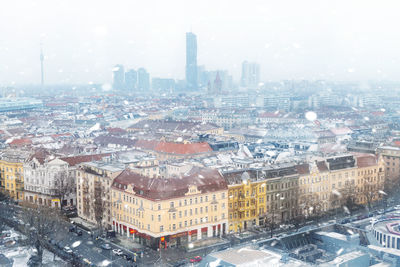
[170, 212]
[260, 196]
[335, 182]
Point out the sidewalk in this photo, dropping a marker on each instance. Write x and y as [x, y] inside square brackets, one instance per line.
[126, 242]
[85, 224]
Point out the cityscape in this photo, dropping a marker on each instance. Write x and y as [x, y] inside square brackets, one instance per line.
[213, 165]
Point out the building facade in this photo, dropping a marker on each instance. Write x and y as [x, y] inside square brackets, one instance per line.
[93, 183]
[12, 173]
[170, 212]
[49, 182]
[261, 196]
[191, 61]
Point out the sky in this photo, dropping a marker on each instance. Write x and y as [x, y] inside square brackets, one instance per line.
[309, 39]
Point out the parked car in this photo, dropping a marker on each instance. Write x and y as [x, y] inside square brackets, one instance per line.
[196, 259]
[79, 232]
[72, 229]
[117, 252]
[390, 209]
[397, 207]
[127, 257]
[344, 221]
[68, 250]
[180, 263]
[106, 246]
[381, 211]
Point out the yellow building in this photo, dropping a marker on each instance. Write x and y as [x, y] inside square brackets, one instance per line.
[171, 211]
[259, 196]
[12, 173]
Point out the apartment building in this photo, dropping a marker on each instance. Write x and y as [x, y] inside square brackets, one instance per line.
[93, 183]
[12, 173]
[259, 196]
[391, 157]
[336, 182]
[171, 211]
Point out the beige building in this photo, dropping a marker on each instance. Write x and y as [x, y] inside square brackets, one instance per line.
[93, 182]
[391, 157]
[340, 181]
[170, 212]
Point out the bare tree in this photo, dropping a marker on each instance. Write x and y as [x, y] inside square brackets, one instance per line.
[310, 204]
[63, 186]
[392, 186]
[370, 190]
[349, 196]
[100, 204]
[40, 223]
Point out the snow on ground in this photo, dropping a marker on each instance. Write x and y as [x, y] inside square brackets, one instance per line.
[21, 254]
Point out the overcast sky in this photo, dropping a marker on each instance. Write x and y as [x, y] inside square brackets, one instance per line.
[82, 39]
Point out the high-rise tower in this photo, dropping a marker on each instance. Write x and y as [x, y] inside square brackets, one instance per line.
[41, 65]
[118, 77]
[250, 74]
[191, 61]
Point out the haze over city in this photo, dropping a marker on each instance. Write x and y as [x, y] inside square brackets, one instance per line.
[83, 40]
[207, 133]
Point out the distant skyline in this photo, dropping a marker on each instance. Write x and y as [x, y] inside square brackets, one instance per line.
[310, 39]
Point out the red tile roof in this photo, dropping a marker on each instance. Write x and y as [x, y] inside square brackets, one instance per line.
[146, 144]
[322, 167]
[21, 142]
[183, 149]
[303, 168]
[72, 161]
[206, 180]
[366, 161]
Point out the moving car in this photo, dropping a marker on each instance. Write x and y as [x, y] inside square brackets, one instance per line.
[117, 252]
[195, 259]
[106, 246]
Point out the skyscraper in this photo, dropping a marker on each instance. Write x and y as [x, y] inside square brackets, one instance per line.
[191, 61]
[118, 77]
[131, 80]
[143, 80]
[250, 74]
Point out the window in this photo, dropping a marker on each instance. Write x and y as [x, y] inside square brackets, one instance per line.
[159, 218]
[171, 204]
[161, 228]
[159, 206]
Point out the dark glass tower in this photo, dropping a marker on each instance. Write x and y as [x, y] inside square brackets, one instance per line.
[191, 61]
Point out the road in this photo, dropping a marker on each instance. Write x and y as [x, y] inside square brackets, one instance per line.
[85, 247]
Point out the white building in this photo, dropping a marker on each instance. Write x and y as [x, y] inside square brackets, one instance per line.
[48, 181]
